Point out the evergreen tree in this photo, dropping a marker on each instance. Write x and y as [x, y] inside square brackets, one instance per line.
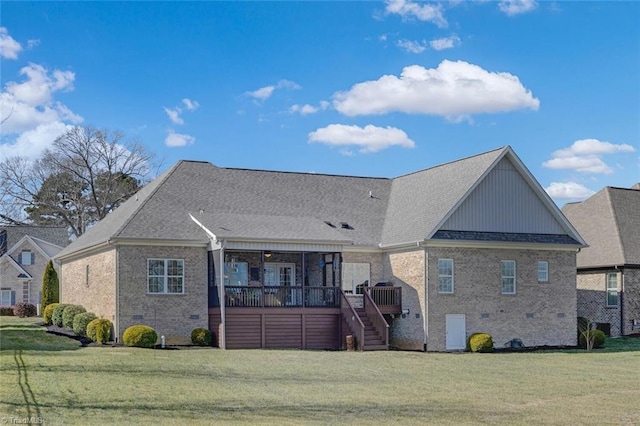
[50, 290]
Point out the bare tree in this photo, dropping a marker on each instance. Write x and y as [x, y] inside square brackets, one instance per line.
[86, 174]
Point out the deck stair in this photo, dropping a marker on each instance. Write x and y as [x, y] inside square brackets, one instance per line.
[373, 340]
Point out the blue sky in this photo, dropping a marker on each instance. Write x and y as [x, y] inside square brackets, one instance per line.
[355, 88]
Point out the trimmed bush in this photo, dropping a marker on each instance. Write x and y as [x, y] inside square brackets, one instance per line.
[480, 342]
[50, 286]
[47, 313]
[70, 312]
[140, 335]
[81, 321]
[597, 335]
[56, 317]
[6, 311]
[99, 330]
[25, 309]
[201, 336]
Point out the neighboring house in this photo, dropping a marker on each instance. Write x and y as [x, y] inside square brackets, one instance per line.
[302, 260]
[609, 269]
[24, 254]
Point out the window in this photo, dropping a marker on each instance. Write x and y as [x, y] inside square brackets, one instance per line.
[236, 273]
[612, 289]
[355, 276]
[165, 276]
[445, 275]
[6, 297]
[508, 276]
[543, 271]
[26, 258]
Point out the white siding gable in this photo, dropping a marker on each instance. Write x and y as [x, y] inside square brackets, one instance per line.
[503, 202]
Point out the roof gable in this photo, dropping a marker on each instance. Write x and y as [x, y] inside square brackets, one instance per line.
[11, 261]
[503, 201]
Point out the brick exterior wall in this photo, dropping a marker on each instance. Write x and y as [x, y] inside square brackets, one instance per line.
[406, 269]
[538, 314]
[592, 300]
[171, 315]
[96, 291]
[631, 300]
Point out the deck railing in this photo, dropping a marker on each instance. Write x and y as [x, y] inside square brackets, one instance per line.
[388, 299]
[353, 321]
[281, 296]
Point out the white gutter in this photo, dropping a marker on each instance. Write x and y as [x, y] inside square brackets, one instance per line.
[407, 244]
[214, 245]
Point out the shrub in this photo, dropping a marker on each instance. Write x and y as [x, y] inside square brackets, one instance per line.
[140, 335]
[480, 342]
[6, 311]
[70, 312]
[81, 321]
[56, 317]
[99, 330]
[597, 336]
[50, 286]
[25, 309]
[201, 336]
[47, 313]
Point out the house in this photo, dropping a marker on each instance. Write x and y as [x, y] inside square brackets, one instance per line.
[608, 277]
[270, 259]
[24, 254]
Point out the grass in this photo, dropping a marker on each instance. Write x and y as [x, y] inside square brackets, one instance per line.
[53, 378]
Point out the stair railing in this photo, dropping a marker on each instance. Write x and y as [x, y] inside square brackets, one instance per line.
[376, 317]
[353, 321]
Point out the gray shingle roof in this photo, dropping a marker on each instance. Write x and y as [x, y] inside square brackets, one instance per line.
[278, 206]
[609, 221]
[50, 234]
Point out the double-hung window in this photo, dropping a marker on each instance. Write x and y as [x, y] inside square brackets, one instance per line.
[543, 271]
[445, 275]
[508, 268]
[26, 257]
[612, 289]
[165, 276]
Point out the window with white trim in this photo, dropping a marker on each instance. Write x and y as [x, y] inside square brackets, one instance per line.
[445, 275]
[612, 289]
[543, 271]
[508, 268]
[355, 276]
[26, 257]
[165, 276]
[5, 297]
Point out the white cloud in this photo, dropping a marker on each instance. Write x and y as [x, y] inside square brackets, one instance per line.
[9, 48]
[264, 93]
[568, 191]
[585, 156]
[445, 43]
[413, 46]
[174, 115]
[32, 143]
[516, 7]
[307, 109]
[174, 139]
[412, 10]
[33, 43]
[29, 106]
[369, 139]
[453, 89]
[190, 105]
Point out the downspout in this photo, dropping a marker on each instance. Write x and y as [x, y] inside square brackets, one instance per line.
[222, 331]
[116, 317]
[622, 301]
[425, 314]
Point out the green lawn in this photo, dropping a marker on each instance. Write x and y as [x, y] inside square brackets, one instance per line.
[57, 380]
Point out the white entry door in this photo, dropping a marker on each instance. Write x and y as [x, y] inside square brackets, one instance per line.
[456, 330]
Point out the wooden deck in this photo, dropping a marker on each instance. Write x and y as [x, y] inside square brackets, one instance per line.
[278, 327]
